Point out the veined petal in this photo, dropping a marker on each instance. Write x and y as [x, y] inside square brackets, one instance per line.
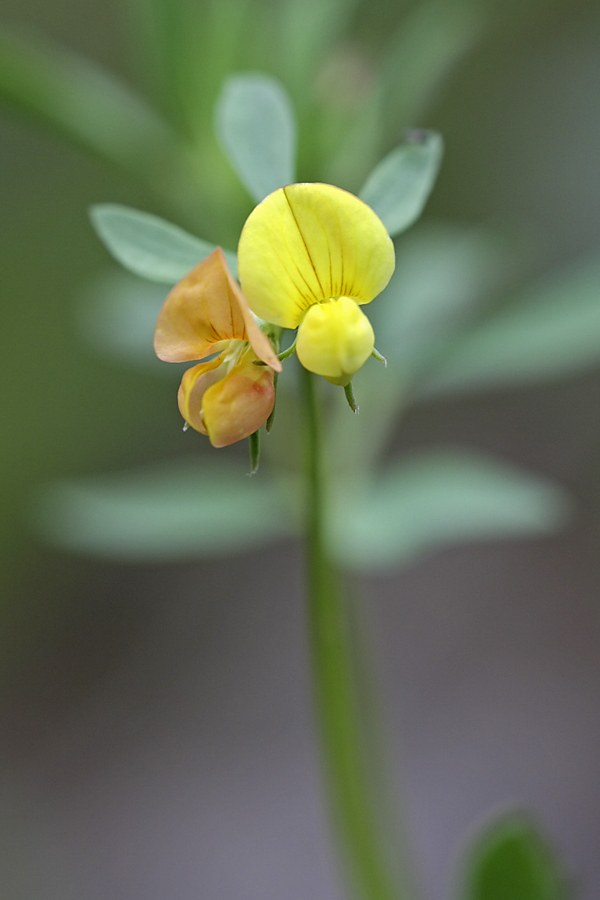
[237, 405]
[194, 384]
[335, 339]
[204, 312]
[310, 242]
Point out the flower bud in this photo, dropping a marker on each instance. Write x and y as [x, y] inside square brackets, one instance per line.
[335, 339]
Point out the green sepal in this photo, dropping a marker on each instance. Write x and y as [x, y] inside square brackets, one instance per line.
[349, 393]
[254, 443]
[269, 422]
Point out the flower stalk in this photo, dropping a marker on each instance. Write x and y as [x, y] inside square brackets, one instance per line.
[353, 805]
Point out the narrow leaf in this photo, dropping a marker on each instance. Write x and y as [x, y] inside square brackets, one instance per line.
[255, 124]
[162, 513]
[552, 331]
[510, 860]
[85, 104]
[420, 58]
[399, 186]
[148, 245]
[431, 38]
[426, 503]
[304, 30]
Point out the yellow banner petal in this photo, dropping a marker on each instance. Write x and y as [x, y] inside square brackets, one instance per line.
[311, 242]
[205, 311]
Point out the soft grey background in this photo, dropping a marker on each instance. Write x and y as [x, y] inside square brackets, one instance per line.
[157, 730]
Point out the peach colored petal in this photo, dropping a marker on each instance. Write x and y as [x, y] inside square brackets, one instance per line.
[200, 315]
[258, 340]
[240, 403]
[195, 382]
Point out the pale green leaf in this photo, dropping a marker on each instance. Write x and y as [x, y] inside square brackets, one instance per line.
[399, 186]
[150, 246]
[255, 124]
[551, 331]
[198, 507]
[511, 860]
[441, 498]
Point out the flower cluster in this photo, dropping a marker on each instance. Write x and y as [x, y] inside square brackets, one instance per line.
[309, 256]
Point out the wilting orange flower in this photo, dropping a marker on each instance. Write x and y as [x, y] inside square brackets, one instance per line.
[229, 397]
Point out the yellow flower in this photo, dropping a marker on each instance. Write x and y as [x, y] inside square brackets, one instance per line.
[309, 256]
[229, 397]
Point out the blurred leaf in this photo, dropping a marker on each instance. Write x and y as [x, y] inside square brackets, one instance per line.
[418, 61]
[188, 49]
[429, 41]
[148, 245]
[551, 331]
[168, 512]
[442, 498]
[510, 860]
[87, 105]
[306, 28]
[255, 124]
[162, 29]
[399, 186]
[117, 315]
[444, 276]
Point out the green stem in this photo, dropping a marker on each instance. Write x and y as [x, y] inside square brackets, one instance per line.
[343, 743]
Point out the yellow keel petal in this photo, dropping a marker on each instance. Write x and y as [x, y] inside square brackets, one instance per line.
[335, 339]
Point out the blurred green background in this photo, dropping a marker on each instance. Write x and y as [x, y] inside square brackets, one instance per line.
[156, 721]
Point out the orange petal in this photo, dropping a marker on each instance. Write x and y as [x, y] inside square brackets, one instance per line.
[236, 406]
[204, 312]
[195, 382]
[259, 342]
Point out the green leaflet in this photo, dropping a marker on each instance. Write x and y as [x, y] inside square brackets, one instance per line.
[399, 186]
[150, 246]
[439, 498]
[162, 513]
[257, 130]
[510, 860]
